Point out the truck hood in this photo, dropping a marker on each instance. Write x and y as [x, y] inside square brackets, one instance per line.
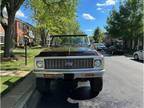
[68, 51]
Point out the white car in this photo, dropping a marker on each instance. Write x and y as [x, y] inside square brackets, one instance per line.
[139, 55]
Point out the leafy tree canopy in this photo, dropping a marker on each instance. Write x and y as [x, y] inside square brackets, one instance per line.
[98, 35]
[57, 16]
[127, 23]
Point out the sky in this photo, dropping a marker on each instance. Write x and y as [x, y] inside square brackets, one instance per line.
[90, 14]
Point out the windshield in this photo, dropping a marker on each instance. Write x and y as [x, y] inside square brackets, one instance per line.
[70, 41]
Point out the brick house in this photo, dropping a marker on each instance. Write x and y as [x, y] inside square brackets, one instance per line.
[22, 29]
[1, 35]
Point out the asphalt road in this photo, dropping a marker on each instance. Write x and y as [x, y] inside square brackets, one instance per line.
[123, 82]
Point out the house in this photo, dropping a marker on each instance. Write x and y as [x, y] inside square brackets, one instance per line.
[2, 34]
[22, 29]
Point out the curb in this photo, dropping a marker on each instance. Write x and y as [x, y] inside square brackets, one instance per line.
[33, 100]
[28, 100]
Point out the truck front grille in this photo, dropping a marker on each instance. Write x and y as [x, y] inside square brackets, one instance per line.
[70, 63]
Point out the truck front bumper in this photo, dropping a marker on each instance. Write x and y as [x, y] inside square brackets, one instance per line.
[68, 75]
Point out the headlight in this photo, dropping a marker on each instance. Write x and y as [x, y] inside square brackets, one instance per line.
[39, 64]
[98, 63]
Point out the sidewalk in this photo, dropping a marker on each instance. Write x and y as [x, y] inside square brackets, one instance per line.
[14, 73]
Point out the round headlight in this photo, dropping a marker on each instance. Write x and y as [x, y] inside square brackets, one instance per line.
[39, 64]
[97, 63]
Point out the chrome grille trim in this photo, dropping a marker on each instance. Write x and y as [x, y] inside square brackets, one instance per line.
[69, 63]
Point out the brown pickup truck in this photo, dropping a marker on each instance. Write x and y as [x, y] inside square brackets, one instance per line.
[69, 57]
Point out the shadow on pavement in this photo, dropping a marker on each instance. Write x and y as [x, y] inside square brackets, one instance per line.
[82, 93]
[57, 98]
[55, 101]
[140, 61]
[59, 95]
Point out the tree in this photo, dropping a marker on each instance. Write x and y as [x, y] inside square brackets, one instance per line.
[55, 17]
[8, 23]
[136, 20]
[113, 27]
[127, 22]
[98, 35]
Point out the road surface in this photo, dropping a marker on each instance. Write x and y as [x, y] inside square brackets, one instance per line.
[123, 82]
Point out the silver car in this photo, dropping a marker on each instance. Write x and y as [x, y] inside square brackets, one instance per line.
[139, 55]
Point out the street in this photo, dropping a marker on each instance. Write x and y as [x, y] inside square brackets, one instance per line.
[122, 88]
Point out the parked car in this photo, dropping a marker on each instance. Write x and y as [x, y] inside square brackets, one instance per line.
[70, 58]
[139, 55]
[115, 49]
[100, 46]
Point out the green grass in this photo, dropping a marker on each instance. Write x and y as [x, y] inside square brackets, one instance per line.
[7, 82]
[20, 63]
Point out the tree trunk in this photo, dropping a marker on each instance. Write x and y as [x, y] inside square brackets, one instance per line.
[125, 44]
[142, 42]
[43, 38]
[9, 36]
[131, 44]
[11, 6]
[136, 43]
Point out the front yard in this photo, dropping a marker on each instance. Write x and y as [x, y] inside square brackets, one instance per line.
[20, 63]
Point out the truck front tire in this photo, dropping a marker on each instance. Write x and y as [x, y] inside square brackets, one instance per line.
[43, 85]
[96, 85]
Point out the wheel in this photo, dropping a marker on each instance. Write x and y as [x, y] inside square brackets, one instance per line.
[43, 85]
[96, 85]
[136, 57]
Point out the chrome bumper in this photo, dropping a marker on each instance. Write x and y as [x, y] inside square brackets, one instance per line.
[76, 74]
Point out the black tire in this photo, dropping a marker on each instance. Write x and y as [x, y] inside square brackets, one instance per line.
[136, 57]
[96, 85]
[43, 85]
